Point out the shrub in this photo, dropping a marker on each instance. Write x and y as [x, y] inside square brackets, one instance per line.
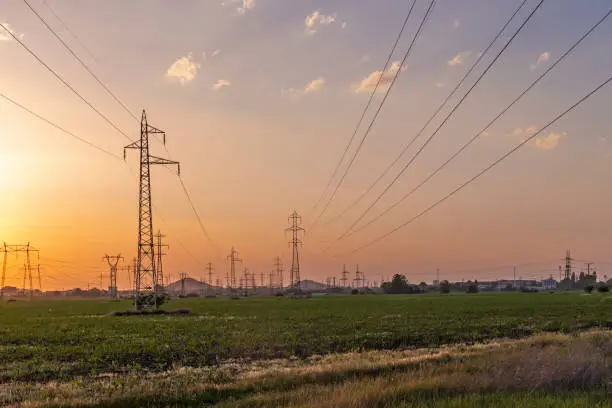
[603, 288]
[589, 288]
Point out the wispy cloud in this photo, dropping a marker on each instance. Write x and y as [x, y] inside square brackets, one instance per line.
[456, 24]
[184, 69]
[222, 83]
[215, 53]
[545, 56]
[459, 58]
[368, 84]
[242, 6]
[550, 141]
[313, 86]
[439, 85]
[317, 19]
[4, 36]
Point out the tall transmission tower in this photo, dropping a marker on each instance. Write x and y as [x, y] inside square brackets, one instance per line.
[279, 272]
[27, 249]
[113, 263]
[231, 279]
[271, 282]
[344, 279]
[160, 254]
[146, 291]
[295, 227]
[183, 276]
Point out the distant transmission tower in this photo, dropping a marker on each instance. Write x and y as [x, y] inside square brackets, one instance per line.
[27, 249]
[279, 272]
[231, 279]
[146, 273]
[161, 281]
[113, 262]
[295, 222]
[568, 264]
[209, 269]
[344, 279]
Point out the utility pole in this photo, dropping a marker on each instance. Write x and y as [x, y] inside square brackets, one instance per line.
[271, 282]
[246, 281]
[113, 262]
[146, 272]
[279, 272]
[588, 265]
[262, 279]
[160, 253]
[295, 222]
[231, 279]
[514, 269]
[344, 279]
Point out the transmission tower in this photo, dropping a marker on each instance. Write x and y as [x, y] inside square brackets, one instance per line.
[568, 264]
[246, 280]
[295, 222]
[160, 253]
[113, 263]
[146, 274]
[279, 272]
[183, 276]
[209, 269]
[271, 282]
[344, 279]
[27, 249]
[231, 279]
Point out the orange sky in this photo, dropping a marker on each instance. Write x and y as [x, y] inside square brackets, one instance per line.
[253, 151]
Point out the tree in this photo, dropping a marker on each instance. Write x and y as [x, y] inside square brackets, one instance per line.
[589, 288]
[444, 287]
[472, 288]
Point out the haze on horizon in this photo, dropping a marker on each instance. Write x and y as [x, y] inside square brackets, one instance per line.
[259, 98]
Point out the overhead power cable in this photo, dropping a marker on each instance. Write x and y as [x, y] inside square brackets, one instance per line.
[67, 28]
[431, 137]
[197, 215]
[63, 81]
[488, 168]
[483, 130]
[58, 127]
[431, 118]
[373, 121]
[367, 106]
[94, 76]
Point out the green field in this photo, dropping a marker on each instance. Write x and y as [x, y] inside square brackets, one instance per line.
[62, 341]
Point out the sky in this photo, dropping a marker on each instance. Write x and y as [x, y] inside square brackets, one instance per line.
[259, 99]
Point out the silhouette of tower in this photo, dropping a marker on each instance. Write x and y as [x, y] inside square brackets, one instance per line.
[295, 227]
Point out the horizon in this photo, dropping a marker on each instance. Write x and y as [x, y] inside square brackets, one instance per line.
[259, 99]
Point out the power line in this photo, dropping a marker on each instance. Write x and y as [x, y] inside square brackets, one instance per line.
[197, 215]
[485, 170]
[432, 117]
[417, 154]
[63, 81]
[478, 134]
[367, 106]
[382, 103]
[67, 28]
[58, 127]
[125, 108]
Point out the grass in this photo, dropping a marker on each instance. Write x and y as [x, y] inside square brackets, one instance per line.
[221, 349]
[58, 340]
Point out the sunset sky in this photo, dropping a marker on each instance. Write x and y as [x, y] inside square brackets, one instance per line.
[259, 99]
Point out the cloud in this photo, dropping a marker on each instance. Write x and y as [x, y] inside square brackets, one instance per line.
[368, 84]
[344, 25]
[545, 56]
[222, 83]
[314, 85]
[184, 69]
[215, 53]
[365, 58]
[317, 19]
[459, 58]
[439, 85]
[484, 134]
[4, 36]
[550, 141]
[456, 24]
[246, 6]
[524, 133]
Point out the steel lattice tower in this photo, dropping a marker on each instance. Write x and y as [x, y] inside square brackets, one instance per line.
[113, 262]
[344, 279]
[231, 279]
[146, 283]
[16, 249]
[295, 227]
[279, 272]
[159, 255]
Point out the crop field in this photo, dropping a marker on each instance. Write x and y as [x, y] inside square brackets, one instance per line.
[44, 342]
